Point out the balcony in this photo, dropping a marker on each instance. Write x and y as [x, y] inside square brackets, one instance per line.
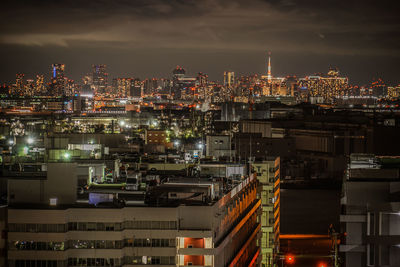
[196, 251]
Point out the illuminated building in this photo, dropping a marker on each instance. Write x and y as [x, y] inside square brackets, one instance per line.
[99, 78]
[86, 89]
[29, 88]
[135, 88]
[394, 91]
[186, 222]
[122, 86]
[150, 86]
[69, 87]
[183, 87]
[202, 79]
[272, 85]
[268, 175]
[326, 87]
[39, 85]
[269, 75]
[57, 80]
[177, 74]
[229, 79]
[18, 89]
[378, 88]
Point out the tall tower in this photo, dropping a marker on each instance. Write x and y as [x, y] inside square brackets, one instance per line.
[269, 68]
[58, 79]
[229, 78]
[99, 76]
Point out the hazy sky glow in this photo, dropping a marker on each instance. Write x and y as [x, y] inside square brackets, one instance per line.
[148, 38]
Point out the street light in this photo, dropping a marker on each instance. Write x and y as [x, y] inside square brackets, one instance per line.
[10, 142]
[30, 140]
[66, 155]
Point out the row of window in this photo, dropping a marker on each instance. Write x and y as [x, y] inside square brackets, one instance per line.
[89, 262]
[36, 263]
[92, 244]
[93, 262]
[164, 260]
[147, 242]
[30, 245]
[90, 226]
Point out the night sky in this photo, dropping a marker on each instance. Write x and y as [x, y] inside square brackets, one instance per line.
[149, 38]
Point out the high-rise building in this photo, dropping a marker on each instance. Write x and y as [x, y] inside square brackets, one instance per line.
[19, 84]
[99, 76]
[177, 74]
[229, 79]
[69, 87]
[39, 85]
[29, 88]
[122, 86]
[268, 175]
[378, 88]
[135, 88]
[57, 80]
[394, 91]
[327, 87]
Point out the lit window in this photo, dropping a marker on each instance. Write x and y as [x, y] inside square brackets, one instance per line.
[53, 201]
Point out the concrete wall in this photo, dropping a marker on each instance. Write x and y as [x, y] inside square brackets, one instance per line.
[61, 182]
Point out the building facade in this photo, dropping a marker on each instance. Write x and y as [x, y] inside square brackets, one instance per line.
[220, 230]
[268, 175]
[371, 211]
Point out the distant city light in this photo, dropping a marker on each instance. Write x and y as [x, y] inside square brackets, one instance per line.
[67, 155]
[10, 142]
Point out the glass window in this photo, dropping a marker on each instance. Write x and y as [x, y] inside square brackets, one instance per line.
[155, 242]
[82, 226]
[72, 226]
[91, 226]
[155, 225]
[31, 227]
[172, 225]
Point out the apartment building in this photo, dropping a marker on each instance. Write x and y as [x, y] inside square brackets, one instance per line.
[183, 223]
[268, 175]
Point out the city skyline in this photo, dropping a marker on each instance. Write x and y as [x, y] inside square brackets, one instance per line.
[48, 75]
[149, 38]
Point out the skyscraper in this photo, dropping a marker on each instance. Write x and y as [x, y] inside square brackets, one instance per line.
[19, 84]
[99, 75]
[39, 85]
[29, 87]
[57, 79]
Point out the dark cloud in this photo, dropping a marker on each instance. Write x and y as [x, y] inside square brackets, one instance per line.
[192, 29]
